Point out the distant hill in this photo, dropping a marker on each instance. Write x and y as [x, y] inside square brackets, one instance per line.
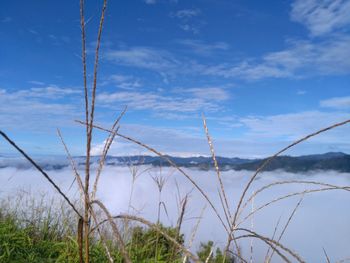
[330, 161]
[336, 161]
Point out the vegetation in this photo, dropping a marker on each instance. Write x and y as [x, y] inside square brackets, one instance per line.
[44, 236]
[89, 233]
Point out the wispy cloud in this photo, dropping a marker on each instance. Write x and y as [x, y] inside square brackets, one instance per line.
[292, 126]
[300, 59]
[203, 48]
[37, 109]
[122, 81]
[321, 16]
[157, 103]
[186, 18]
[143, 57]
[336, 103]
[36, 82]
[207, 93]
[153, 2]
[49, 92]
[186, 13]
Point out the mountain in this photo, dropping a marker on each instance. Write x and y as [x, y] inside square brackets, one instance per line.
[336, 161]
[329, 161]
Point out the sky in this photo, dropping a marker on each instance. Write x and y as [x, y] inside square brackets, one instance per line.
[263, 73]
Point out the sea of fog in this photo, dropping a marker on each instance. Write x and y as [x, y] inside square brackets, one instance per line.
[321, 221]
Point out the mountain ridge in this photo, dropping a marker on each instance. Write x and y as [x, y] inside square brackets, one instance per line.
[336, 161]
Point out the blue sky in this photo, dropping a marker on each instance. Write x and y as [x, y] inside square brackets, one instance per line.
[264, 73]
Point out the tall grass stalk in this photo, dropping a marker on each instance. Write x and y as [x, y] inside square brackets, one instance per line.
[90, 207]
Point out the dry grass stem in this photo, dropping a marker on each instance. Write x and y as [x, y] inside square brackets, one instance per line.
[182, 214]
[225, 205]
[252, 228]
[264, 164]
[106, 148]
[285, 259]
[83, 51]
[115, 230]
[159, 230]
[237, 256]
[40, 170]
[73, 165]
[194, 232]
[209, 256]
[326, 256]
[287, 224]
[273, 237]
[345, 188]
[285, 197]
[165, 157]
[272, 243]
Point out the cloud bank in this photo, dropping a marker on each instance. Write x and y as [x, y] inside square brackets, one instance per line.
[320, 222]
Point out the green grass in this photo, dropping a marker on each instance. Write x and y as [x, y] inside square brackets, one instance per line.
[40, 238]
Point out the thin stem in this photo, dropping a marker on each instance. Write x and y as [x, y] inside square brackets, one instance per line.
[37, 166]
[165, 157]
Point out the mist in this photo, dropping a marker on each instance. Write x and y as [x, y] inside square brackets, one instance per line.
[321, 221]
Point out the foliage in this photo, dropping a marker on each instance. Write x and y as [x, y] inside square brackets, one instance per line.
[206, 254]
[148, 245]
[27, 242]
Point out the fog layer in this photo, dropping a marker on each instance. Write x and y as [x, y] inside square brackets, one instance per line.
[320, 222]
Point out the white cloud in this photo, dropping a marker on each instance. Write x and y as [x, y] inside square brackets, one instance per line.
[186, 13]
[36, 82]
[301, 59]
[156, 102]
[292, 126]
[321, 16]
[202, 48]
[48, 92]
[143, 57]
[187, 19]
[153, 2]
[208, 93]
[189, 28]
[256, 136]
[122, 81]
[336, 103]
[38, 109]
[317, 210]
[298, 60]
